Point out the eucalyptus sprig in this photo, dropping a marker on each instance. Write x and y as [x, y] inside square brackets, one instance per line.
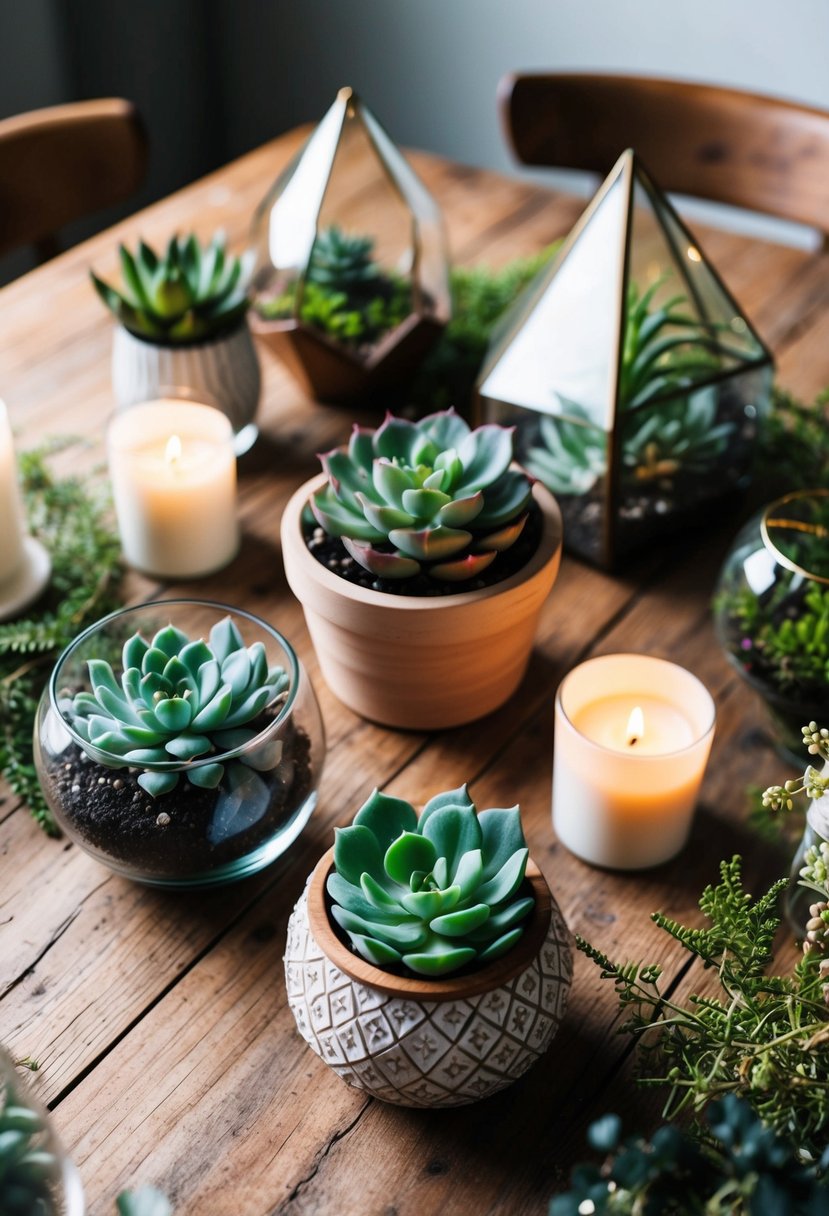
[71, 519]
[762, 1036]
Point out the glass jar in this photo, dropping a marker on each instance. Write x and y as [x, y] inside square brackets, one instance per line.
[251, 784]
[771, 611]
[36, 1176]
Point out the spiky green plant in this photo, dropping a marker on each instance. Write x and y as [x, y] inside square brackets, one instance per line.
[188, 294]
[29, 1169]
[438, 497]
[343, 261]
[677, 436]
[665, 351]
[571, 456]
[435, 893]
[178, 700]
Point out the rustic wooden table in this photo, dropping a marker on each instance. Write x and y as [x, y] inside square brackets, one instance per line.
[166, 1048]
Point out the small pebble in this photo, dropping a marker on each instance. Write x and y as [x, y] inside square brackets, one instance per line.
[318, 534]
[68, 768]
[162, 819]
[102, 781]
[117, 784]
[76, 789]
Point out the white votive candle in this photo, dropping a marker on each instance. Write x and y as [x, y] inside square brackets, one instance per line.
[12, 521]
[632, 738]
[173, 471]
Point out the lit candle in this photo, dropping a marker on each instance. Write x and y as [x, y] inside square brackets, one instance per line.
[12, 523]
[173, 471]
[632, 739]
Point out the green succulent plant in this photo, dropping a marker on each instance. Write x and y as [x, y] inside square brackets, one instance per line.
[435, 893]
[571, 456]
[677, 436]
[188, 294]
[343, 261]
[178, 700]
[29, 1170]
[664, 351]
[438, 497]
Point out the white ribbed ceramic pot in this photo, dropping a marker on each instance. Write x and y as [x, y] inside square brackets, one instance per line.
[427, 1043]
[226, 369]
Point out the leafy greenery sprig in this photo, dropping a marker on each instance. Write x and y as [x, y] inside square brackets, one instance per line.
[763, 1036]
[71, 519]
[742, 1168]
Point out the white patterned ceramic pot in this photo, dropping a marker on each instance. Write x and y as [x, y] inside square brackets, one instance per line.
[226, 369]
[425, 1043]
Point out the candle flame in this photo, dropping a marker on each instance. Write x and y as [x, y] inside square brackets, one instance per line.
[172, 453]
[636, 726]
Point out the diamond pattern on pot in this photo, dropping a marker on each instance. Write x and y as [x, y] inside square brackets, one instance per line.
[426, 1053]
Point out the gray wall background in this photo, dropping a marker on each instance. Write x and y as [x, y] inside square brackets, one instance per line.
[214, 78]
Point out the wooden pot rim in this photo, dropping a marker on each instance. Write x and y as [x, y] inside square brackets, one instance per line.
[543, 563]
[485, 979]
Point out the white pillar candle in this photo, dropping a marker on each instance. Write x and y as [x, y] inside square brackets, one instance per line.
[173, 471]
[12, 521]
[632, 738]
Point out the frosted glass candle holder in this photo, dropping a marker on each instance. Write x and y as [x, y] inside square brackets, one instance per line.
[173, 470]
[632, 738]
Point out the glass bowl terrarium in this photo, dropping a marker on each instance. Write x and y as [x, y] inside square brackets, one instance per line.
[351, 281]
[180, 743]
[772, 612]
[36, 1176]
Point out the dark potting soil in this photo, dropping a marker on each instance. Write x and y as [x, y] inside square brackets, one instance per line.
[170, 836]
[330, 551]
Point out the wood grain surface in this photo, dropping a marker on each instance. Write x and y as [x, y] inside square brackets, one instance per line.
[167, 1050]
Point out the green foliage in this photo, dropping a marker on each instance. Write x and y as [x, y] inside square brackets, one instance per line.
[178, 700]
[677, 436]
[572, 456]
[72, 522]
[782, 636]
[435, 893]
[29, 1169]
[439, 498]
[188, 294]
[793, 452]
[742, 1168]
[763, 1036]
[345, 294]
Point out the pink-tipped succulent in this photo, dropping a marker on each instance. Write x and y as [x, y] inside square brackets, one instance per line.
[430, 497]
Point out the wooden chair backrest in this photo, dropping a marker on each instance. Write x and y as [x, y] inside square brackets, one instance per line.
[64, 162]
[745, 149]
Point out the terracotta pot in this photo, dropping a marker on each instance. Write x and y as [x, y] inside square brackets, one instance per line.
[226, 368]
[419, 662]
[420, 1042]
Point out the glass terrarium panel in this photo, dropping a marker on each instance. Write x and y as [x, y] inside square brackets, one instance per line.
[678, 457]
[562, 359]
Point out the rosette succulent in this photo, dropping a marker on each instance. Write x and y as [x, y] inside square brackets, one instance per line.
[188, 294]
[29, 1169]
[343, 262]
[178, 700]
[435, 893]
[430, 497]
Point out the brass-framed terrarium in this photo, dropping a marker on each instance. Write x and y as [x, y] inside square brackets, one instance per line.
[634, 380]
[351, 281]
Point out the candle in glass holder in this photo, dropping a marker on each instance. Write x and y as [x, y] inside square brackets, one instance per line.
[632, 739]
[173, 471]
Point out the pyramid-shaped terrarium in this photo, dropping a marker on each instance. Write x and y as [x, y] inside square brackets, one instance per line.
[635, 382]
[352, 280]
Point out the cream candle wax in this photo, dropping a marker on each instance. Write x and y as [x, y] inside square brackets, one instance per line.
[173, 471]
[632, 738]
[12, 525]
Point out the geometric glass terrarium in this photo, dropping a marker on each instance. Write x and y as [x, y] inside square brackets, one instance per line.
[634, 381]
[351, 282]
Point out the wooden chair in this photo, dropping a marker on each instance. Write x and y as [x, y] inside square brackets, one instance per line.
[62, 163]
[732, 147]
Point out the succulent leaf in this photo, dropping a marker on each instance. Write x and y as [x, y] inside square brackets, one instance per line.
[172, 704]
[440, 891]
[186, 295]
